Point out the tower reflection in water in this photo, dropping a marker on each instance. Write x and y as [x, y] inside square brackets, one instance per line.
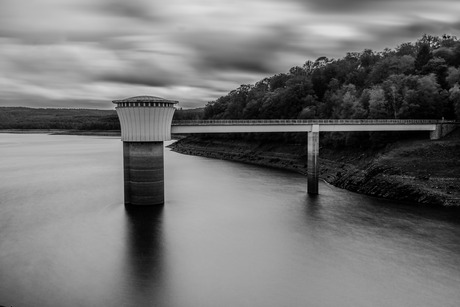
[145, 274]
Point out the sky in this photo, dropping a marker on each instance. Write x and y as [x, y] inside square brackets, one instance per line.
[86, 53]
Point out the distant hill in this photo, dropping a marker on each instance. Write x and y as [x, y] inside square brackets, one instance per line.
[72, 119]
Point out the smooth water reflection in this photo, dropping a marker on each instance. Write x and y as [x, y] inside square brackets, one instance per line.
[145, 257]
[229, 234]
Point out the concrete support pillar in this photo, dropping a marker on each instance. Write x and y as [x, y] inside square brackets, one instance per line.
[437, 133]
[442, 130]
[143, 173]
[145, 124]
[312, 160]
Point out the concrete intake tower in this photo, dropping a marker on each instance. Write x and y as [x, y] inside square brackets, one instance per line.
[145, 125]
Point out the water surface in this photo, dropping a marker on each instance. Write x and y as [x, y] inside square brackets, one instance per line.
[229, 235]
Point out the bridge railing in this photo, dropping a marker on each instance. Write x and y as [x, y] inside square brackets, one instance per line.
[310, 122]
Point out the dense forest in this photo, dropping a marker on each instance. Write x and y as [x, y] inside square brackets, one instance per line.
[415, 80]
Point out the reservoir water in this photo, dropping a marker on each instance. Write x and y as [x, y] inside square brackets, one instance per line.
[229, 235]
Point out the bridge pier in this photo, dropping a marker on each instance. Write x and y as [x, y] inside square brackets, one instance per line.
[442, 130]
[312, 160]
[145, 123]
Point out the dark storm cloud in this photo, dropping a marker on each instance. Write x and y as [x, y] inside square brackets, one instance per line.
[426, 27]
[342, 5]
[255, 52]
[242, 58]
[137, 9]
[148, 79]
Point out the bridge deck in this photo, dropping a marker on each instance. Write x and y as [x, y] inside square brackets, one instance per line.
[299, 125]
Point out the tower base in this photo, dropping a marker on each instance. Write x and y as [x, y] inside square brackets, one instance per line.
[143, 173]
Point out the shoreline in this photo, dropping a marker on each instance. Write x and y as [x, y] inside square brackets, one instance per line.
[364, 174]
[63, 132]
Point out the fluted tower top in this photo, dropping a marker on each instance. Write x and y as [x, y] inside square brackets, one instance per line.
[144, 99]
[145, 118]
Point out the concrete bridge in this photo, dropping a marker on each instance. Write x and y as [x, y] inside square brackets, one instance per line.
[305, 125]
[146, 121]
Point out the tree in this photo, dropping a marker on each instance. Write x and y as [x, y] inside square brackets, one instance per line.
[215, 109]
[368, 58]
[297, 71]
[423, 98]
[406, 49]
[236, 102]
[377, 103]
[309, 66]
[331, 102]
[454, 97]
[349, 102]
[319, 83]
[456, 55]
[405, 65]
[438, 67]
[453, 76]
[278, 81]
[445, 53]
[252, 109]
[393, 88]
[308, 112]
[391, 65]
[423, 56]
[433, 42]
[361, 108]
[448, 40]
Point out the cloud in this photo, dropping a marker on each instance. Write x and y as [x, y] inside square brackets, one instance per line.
[254, 52]
[57, 21]
[137, 9]
[140, 74]
[145, 78]
[340, 5]
[70, 51]
[397, 7]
